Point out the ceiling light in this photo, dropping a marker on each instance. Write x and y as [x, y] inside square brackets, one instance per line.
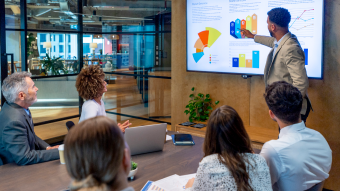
[43, 12]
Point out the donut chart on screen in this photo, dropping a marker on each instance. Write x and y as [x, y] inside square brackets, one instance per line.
[206, 39]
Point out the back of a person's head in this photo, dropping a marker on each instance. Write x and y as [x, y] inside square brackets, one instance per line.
[94, 151]
[13, 84]
[227, 137]
[89, 82]
[279, 16]
[285, 101]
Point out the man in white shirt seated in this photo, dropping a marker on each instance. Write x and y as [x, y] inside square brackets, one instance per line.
[301, 157]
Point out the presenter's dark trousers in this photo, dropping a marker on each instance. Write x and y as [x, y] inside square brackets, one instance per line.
[304, 117]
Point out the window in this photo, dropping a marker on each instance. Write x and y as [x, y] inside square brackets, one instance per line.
[86, 48]
[42, 49]
[69, 38]
[42, 37]
[69, 48]
[61, 48]
[53, 48]
[61, 38]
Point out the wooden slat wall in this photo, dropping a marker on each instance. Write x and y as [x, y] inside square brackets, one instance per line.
[246, 96]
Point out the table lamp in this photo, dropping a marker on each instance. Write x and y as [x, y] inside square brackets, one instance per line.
[47, 45]
[93, 46]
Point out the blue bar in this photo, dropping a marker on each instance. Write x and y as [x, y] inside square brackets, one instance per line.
[232, 29]
[306, 56]
[237, 28]
[256, 59]
[235, 62]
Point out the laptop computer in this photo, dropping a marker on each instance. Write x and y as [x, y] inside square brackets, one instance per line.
[145, 139]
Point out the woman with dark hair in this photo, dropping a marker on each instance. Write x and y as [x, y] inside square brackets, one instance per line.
[229, 162]
[91, 86]
[97, 158]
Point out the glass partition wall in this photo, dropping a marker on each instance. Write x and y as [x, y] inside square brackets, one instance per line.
[130, 40]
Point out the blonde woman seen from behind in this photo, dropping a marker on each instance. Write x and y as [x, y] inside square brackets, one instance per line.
[97, 159]
[229, 162]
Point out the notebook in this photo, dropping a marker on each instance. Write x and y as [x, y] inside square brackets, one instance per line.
[182, 139]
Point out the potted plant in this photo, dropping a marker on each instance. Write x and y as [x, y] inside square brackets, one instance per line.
[133, 171]
[54, 65]
[30, 40]
[199, 107]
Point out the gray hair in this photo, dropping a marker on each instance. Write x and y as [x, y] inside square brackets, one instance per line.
[14, 84]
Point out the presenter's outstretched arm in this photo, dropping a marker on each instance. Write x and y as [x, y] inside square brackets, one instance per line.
[247, 33]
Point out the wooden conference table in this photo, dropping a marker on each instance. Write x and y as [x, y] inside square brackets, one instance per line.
[53, 176]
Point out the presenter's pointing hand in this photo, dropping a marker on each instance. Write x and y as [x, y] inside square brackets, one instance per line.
[247, 33]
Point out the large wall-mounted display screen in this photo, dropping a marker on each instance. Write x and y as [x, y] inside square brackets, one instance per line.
[215, 44]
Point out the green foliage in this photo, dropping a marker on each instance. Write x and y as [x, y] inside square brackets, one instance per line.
[30, 39]
[54, 65]
[199, 107]
[133, 165]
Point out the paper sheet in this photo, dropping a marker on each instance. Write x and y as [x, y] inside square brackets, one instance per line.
[149, 186]
[168, 137]
[170, 183]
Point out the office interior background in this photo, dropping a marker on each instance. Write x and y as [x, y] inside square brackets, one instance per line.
[141, 46]
[131, 40]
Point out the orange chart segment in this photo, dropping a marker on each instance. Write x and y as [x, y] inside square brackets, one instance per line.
[199, 44]
[204, 36]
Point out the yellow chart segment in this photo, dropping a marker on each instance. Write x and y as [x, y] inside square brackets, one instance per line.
[213, 35]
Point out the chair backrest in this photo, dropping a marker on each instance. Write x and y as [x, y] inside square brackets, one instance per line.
[69, 125]
[317, 187]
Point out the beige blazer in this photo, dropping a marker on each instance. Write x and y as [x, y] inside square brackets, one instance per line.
[288, 64]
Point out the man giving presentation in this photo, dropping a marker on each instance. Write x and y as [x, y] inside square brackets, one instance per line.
[286, 60]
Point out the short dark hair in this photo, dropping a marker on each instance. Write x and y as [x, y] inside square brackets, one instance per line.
[279, 16]
[284, 100]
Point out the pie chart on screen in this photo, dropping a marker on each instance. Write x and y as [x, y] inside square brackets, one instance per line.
[206, 39]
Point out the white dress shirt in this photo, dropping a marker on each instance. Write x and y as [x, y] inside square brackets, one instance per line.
[277, 43]
[299, 159]
[92, 109]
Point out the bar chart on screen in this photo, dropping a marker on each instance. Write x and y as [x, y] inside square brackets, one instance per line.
[243, 60]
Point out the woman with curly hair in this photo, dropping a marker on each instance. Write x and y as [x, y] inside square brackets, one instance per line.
[91, 86]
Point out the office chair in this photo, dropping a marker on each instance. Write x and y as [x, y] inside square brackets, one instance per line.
[317, 187]
[69, 125]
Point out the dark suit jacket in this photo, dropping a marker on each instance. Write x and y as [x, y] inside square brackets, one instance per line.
[18, 142]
